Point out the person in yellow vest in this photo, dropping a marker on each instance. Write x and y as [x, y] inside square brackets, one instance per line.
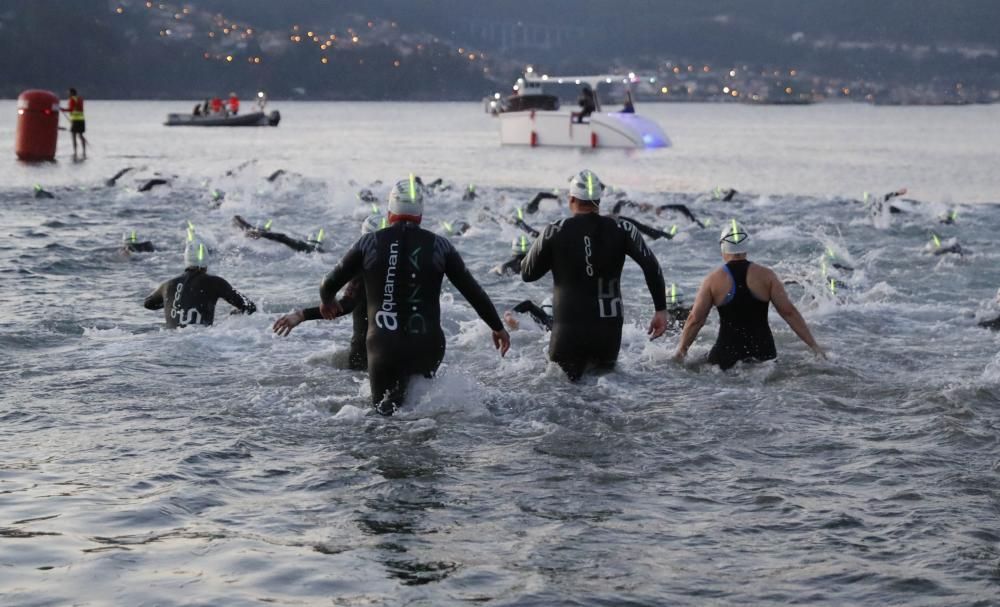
[77, 123]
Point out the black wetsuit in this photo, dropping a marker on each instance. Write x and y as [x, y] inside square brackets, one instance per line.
[190, 298]
[402, 267]
[743, 330]
[511, 266]
[992, 325]
[301, 246]
[646, 230]
[585, 254]
[532, 207]
[131, 246]
[355, 303]
[537, 313]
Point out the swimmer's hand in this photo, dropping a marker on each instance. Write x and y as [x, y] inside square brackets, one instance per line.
[820, 352]
[658, 325]
[680, 355]
[501, 341]
[284, 325]
[331, 310]
[511, 321]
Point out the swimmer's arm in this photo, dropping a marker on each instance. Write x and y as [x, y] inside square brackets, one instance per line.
[635, 247]
[696, 319]
[234, 297]
[351, 293]
[513, 266]
[791, 315]
[154, 301]
[349, 267]
[538, 261]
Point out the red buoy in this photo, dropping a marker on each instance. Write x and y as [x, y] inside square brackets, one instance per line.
[534, 139]
[593, 140]
[37, 125]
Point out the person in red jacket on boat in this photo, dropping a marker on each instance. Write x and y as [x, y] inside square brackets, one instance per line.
[234, 104]
[216, 105]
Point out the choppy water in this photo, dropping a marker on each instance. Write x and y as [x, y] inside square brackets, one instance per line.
[228, 466]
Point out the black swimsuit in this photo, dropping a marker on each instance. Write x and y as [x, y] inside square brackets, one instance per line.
[743, 330]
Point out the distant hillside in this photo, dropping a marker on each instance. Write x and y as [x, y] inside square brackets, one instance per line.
[460, 49]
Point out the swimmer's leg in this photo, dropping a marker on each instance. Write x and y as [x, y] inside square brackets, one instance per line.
[573, 368]
[388, 384]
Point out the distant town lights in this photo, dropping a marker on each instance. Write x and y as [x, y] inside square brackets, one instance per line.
[229, 58]
[529, 70]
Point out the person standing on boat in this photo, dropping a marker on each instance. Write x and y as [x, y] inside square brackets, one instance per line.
[587, 103]
[742, 292]
[629, 107]
[586, 253]
[77, 122]
[234, 104]
[402, 267]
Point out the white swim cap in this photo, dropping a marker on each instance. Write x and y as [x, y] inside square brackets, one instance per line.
[585, 185]
[196, 254]
[407, 198]
[733, 239]
[520, 245]
[373, 223]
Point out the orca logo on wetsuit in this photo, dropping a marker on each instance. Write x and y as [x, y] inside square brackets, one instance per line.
[609, 302]
[386, 317]
[587, 252]
[191, 316]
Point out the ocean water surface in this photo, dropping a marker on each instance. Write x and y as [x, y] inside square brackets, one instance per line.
[228, 466]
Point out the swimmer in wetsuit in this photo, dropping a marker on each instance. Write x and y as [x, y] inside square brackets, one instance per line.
[585, 254]
[402, 267]
[541, 314]
[741, 292]
[190, 298]
[302, 246]
[353, 302]
[519, 247]
[132, 244]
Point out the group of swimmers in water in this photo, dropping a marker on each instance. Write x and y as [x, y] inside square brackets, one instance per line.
[390, 282]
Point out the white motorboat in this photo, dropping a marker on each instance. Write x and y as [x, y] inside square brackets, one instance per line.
[531, 117]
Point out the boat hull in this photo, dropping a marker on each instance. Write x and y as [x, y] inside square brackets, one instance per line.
[251, 119]
[602, 130]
